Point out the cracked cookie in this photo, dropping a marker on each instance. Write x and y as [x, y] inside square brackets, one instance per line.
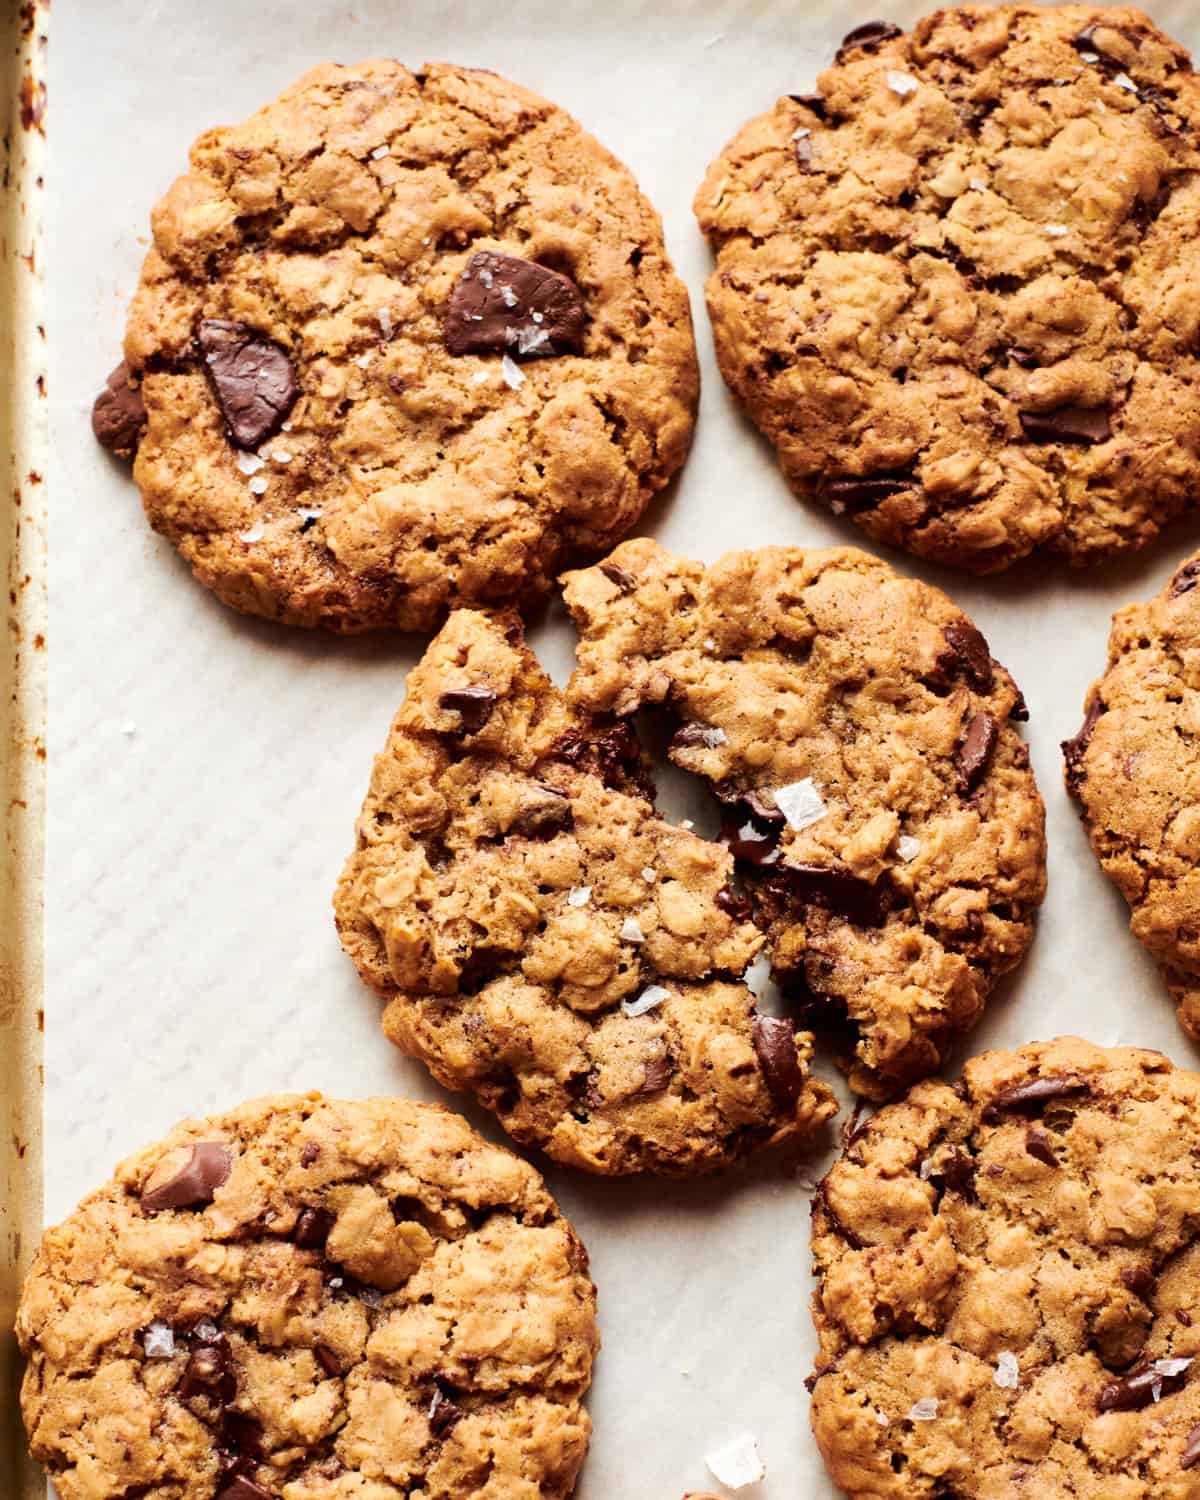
[313, 1300]
[954, 287]
[874, 790]
[404, 341]
[1006, 1285]
[545, 940]
[1134, 771]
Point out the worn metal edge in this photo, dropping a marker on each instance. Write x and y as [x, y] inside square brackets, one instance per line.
[23, 453]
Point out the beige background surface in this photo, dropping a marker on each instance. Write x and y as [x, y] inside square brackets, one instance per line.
[205, 770]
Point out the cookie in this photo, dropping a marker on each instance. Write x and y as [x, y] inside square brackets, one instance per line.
[1006, 1285]
[953, 287]
[874, 790]
[1132, 767]
[545, 940]
[405, 341]
[311, 1300]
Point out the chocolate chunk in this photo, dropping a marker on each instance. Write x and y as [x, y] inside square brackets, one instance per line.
[1139, 1388]
[1191, 1451]
[623, 580]
[310, 1154]
[193, 1186]
[252, 379]
[119, 414]
[775, 1046]
[861, 902]
[504, 305]
[969, 650]
[241, 1434]
[240, 1487]
[1019, 712]
[615, 755]
[312, 1228]
[821, 1197]
[1039, 1145]
[1075, 750]
[749, 838]
[1032, 1095]
[733, 904]
[210, 1372]
[1023, 357]
[1068, 424]
[698, 737]
[1140, 1280]
[473, 704]
[658, 1076]
[763, 808]
[443, 1413]
[1185, 579]
[867, 36]
[811, 102]
[853, 493]
[328, 1360]
[975, 747]
[543, 818]
[957, 1172]
[804, 152]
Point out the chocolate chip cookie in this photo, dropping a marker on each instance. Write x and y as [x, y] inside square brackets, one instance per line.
[545, 940]
[315, 1300]
[954, 286]
[875, 791]
[1007, 1270]
[1134, 771]
[404, 341]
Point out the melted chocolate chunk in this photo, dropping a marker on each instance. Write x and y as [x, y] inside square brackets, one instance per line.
[443, 1413]
[1139, 1389]
[837, 891]
[504, 305]
[1190, 1456]
[1140, 1280]
[473, 704]
[812, 102]
[1185, 579]
[239, 1487]
[1023, 357]
[749, 838]
[1068, 424]
[1019, 712]
[615, 755]
[210, 1372]
[623, 580]
[697, 737]
[658, 1076]
[975, 747]
[735, 906]
[868, 36]
[328, 1360]
[1029, 1097]
[853, 493]
[968, 651]
[312, 1228]
[252, 379]
[1039, 1145]
[1075, 750]
[241, 1435]
[958, 1174]
[310, 1154]
[119, 414]
[775, 1046]
[550, 814]
[196, 1182]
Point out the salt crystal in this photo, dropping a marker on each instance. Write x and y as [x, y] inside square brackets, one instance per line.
[363, 361]
[536, 316]
[908, 847]
[1123, 81]
[799, 135]
[1170, 1366]
[310, 512]
[801, 804]
[737, 1463]
[380, 152]
[901, 83]
[977, 183]
[282, 456]
[428, 240]
[687, 825]
[385, 322]
[652, 995]
[258, 485]
[479, 377]
[925, 1170]
[207, 1331]
[881, 1419]
[249, 463]
[532, 340]
[253, 533]
[513, 378]
[579, 895]
[509, 296]
[1008, 1372]
[924, 1410]
[159, 1341]
[286, 427]
[709, 643]
[1057, 230]
[485, 276]
[649, 873]
[708, 735]
[1090, 56]
[631, 932]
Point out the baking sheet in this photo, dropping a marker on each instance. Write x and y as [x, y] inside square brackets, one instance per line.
[205, 769]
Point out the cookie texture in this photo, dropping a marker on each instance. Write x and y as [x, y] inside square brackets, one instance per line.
[1134, 771]
[545, 940]
[859, 737]
[1006, 1299]
[310, 1300]
[954, 287]
[405, 341]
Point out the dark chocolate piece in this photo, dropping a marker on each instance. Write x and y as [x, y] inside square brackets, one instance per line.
[119, 414]
[443, 1413]
[697, 737]
[1185, 578]
[975, 747]
[623, 580]
[1019, 712]
[504, 305]
[957, 1173]
[241, 1434]
[328, 1360]
[1068, 424]
[1074, 750]
[735, 906]
[194, 1185]
[812, 102]
[252, 379]
[749, 838]
[853, 493]
[969, 650]
[310, 1154]
[837, 891]
[551, 814]
[1140, 1280]
[312, 1228]
[1039, 1145]
[867, 36]
[1031, 1096]
[473, 704]
[210, 1372]
[1139, 1388]
[658, 1076]
[775, 1047]
[240, 1487]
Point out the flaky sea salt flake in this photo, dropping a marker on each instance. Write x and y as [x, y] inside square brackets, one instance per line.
[652, 995]
[901, 83]
[799, 135]
[1123, 81]
[258, 485]
[159, 1341]
[1056, 231]
[925, 1170]
[801, 804]
[479, 377]
[1008, 1372]
[908, 847]
[649, 873]
[508, 296]
[532, 340]
[386, 326]
[253, 533]
[736, 1463]
[513, 378]
[249, 463]
[881, 1418]
[207, 1331]
[380, 152]
[579, 895]
[924, 1410]
[631, 931]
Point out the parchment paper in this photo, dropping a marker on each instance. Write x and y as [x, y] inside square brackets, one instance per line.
[205, 769]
